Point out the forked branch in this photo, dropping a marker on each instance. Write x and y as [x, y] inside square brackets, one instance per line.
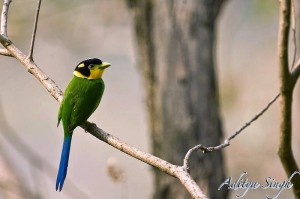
[5, 52]
[226, 142]
[287, 83]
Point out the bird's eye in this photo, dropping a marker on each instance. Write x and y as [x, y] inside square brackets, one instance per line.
[91, 66]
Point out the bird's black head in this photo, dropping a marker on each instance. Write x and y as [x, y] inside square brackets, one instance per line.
[91, 68]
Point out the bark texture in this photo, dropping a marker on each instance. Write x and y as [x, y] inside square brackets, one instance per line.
[176, 51]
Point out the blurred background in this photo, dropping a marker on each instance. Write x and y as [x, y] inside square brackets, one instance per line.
[69, 32]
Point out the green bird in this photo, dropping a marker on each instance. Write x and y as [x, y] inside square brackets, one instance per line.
[81, 98]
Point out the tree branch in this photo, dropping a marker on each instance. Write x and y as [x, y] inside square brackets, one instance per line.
[293, 19]
[32, 68]
[5, 52]
[226, 142]
[34, 30]
[4, 17]
[285, 151]
[173, 170]
[189, 153]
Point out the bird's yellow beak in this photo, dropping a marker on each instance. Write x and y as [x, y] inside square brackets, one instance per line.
[105, 65]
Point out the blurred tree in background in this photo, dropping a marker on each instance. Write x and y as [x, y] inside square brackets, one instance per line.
[176, 53]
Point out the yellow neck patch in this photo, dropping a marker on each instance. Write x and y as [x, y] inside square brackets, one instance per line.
[95, 74]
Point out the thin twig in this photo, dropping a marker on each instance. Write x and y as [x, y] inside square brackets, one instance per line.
[188, 155]
[258, 115]
[4, 40]
[293, 25]
[4, 17]
[226, 142]
[34, 30]
[254, 118]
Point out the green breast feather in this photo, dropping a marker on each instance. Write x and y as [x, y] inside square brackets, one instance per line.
[81, 94]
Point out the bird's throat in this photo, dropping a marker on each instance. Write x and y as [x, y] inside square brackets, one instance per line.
[95, 74]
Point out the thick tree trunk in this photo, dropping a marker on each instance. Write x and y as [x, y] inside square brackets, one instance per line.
[175, 45]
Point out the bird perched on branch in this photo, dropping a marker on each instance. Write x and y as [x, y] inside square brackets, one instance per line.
[81, 98]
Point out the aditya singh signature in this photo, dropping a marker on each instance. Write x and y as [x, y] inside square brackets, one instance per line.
[245, 184]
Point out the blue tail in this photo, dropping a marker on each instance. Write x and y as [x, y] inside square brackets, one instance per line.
[63, 165]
